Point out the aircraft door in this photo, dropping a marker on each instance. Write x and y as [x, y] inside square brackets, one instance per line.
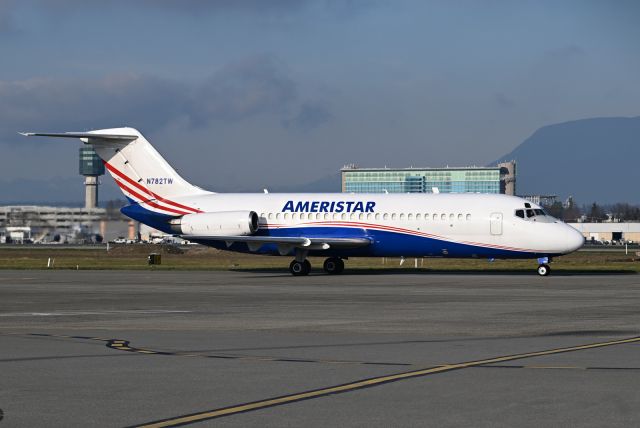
[496, 223]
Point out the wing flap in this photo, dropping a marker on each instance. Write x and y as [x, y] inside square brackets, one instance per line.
[255, 242]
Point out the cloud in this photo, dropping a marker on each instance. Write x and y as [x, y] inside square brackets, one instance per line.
[565, 53]
[503, 101]
[244, 89]
[81, 104]
[311, 115]
[238, 91]
[199, 6]
[6, 15]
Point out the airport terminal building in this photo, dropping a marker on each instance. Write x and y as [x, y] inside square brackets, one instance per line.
[498, 179]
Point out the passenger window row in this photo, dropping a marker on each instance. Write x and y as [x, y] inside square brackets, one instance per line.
[367, 216]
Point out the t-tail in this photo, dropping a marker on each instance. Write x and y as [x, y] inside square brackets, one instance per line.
[142, 174]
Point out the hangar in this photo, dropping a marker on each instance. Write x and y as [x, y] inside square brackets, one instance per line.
[601, 232]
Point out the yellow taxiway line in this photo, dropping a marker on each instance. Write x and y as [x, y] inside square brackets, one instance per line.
[367, 383]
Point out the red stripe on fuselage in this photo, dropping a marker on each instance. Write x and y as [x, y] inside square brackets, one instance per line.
[137, 185]
[145, 200]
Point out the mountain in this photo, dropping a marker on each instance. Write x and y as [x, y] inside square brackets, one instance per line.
[591, 159]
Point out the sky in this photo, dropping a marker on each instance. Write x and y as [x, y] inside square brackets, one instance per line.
[242, 95]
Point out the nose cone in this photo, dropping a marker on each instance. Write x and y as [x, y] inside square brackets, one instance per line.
[573, 239]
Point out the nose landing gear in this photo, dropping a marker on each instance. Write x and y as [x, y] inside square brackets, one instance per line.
[544, 270]
[543, 267]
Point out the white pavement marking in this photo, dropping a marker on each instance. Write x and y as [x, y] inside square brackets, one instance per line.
[105, 312]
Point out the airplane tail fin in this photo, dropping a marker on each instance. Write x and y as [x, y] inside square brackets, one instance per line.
[138, 169]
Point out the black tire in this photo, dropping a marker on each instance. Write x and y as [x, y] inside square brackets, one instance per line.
[544, 270]
[300, 268]
[333, 265]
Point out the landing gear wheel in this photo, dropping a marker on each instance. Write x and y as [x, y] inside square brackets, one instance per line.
[333, 265]
[544, 270]
[300, 268]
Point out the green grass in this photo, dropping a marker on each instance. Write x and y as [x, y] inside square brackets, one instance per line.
[200, 258]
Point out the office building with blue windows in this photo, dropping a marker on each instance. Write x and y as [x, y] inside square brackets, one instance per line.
[498, 179]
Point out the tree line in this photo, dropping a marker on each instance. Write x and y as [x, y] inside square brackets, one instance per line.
[594, 213]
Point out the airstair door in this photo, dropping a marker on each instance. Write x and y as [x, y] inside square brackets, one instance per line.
[496, 223]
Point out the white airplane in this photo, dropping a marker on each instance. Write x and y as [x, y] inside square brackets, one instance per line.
[335, 225]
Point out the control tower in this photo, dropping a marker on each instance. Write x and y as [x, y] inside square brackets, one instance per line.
[91, 167]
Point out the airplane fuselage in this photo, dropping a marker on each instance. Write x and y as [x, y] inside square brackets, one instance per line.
[416, 225]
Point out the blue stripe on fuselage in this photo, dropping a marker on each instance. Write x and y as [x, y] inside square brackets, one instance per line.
[150, 218]
[384, 243]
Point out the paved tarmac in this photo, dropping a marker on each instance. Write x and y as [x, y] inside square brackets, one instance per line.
[256, 349]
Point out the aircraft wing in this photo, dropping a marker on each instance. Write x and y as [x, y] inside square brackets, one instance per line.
[285, 243]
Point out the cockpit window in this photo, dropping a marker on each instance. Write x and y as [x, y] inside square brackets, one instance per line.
[535, 215]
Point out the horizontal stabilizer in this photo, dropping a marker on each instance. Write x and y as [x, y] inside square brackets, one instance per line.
[81, 135]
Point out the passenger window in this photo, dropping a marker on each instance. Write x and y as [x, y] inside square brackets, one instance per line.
[326, 216]
[301, 216]
[418, 216]
[270, 216]
[343, 216]
[401, 216]
[451, 217]
[385, 216]
[262, 215]
[336, 216]
[369, 216]
[443, 217]
[294, 216]
[435, 217]
[286, 216]
[393, 216]
[318, 216]
[459, 217]
[409, 216]
[377, 216]
[468, 217]
[520, 213]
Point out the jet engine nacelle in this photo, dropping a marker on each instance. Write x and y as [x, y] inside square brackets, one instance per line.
[222, 223]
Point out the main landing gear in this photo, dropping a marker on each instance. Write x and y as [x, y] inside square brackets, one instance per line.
[333, 265]
[301, 266]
